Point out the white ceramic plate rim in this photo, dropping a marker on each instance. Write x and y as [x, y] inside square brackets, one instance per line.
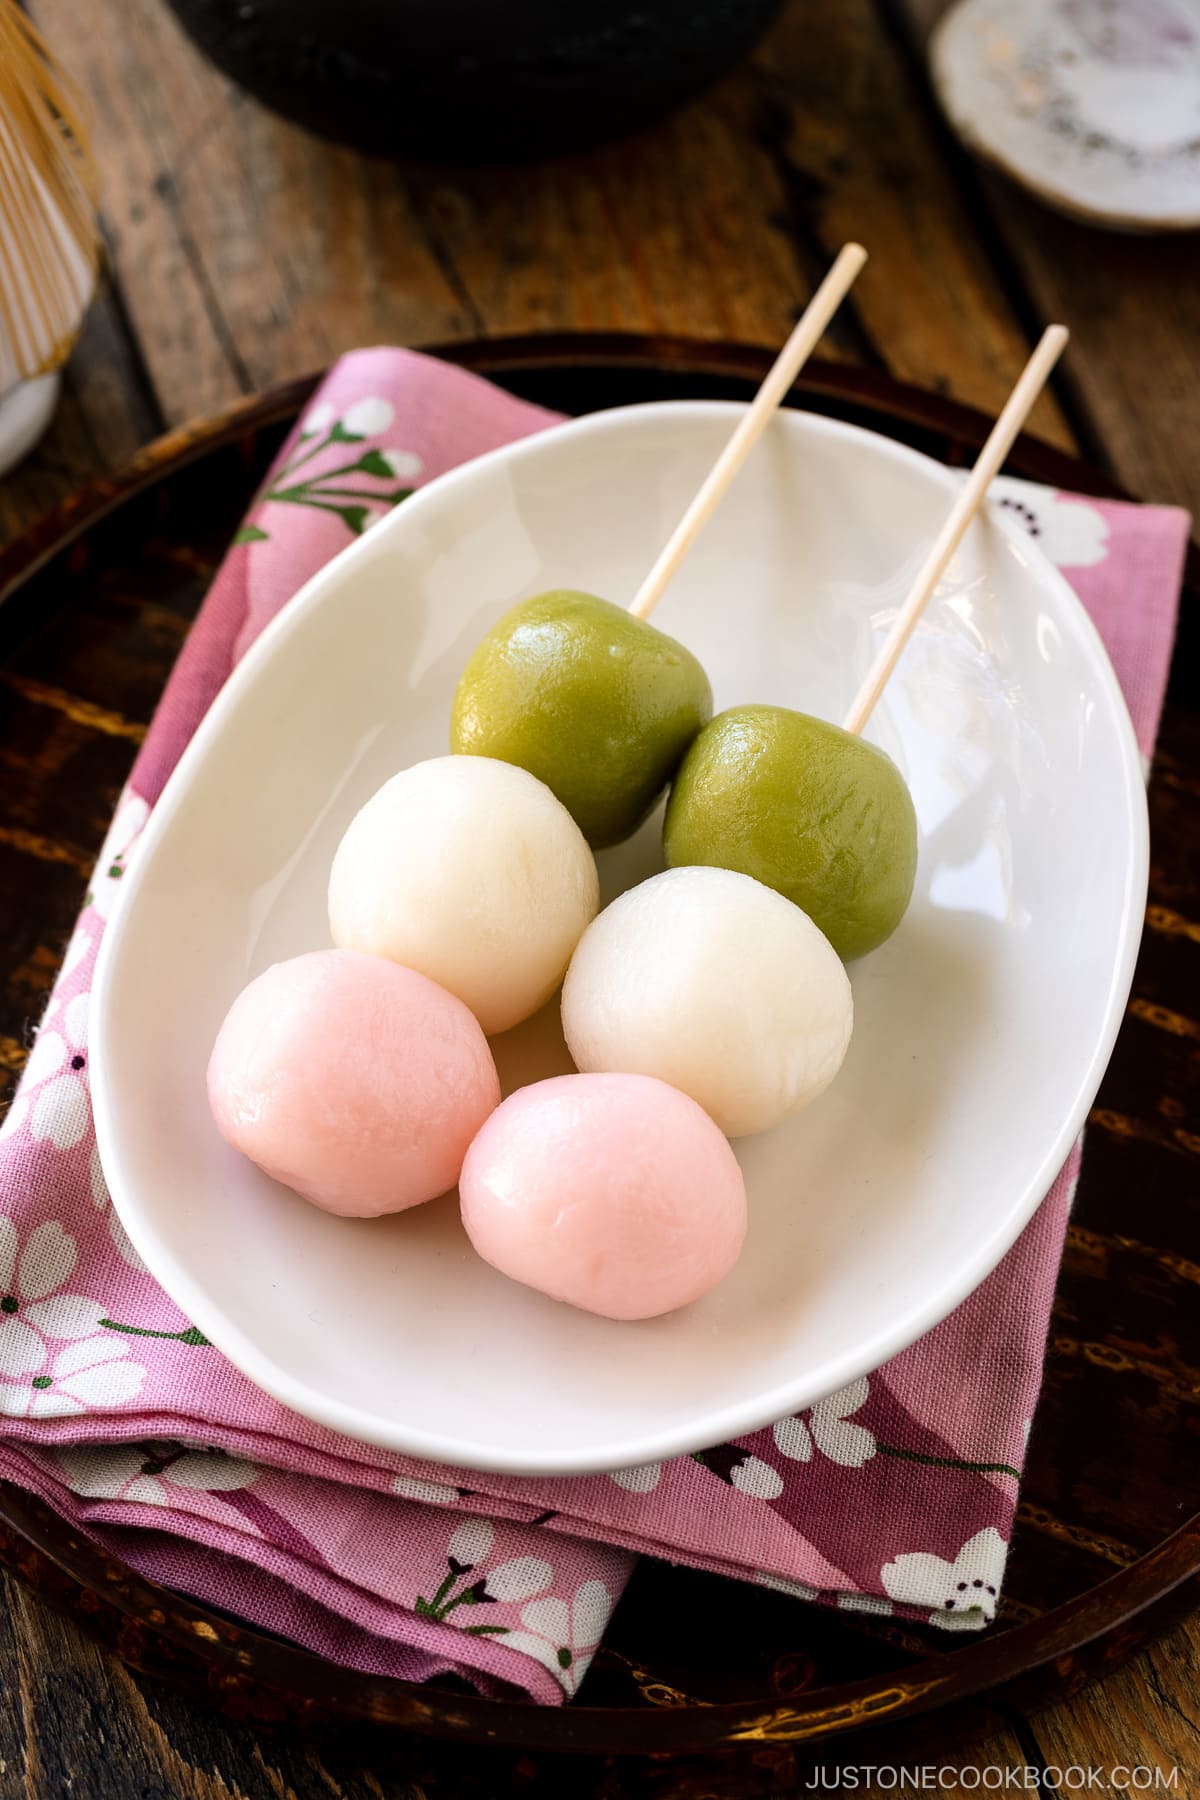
[734, 1420]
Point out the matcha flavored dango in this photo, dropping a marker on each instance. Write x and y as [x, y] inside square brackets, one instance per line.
[599, 705]
[588, 696]
[798, 803]
[805, 808]
[604, 708]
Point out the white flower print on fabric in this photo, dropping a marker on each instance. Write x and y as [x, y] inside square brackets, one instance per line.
[799, 1590]
[1070, 532]
[468, 1583]
[864, 1603]
[405, 465]
[367, 417]
[148, 1472]
[757, 1479]
[91, 1375]
[33, 1305]
[318, 418]
[830, 1428]
[562, 1637]
[518, 1578]
[640, 1480]
[411, 1487]
[962, 1593]
[471, 1541]
[57, 1069]
[115, 852]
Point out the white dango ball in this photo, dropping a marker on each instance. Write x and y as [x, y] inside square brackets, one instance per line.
[716, 984]
[470, 871]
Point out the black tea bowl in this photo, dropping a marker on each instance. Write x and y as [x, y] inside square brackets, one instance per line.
[474, 81]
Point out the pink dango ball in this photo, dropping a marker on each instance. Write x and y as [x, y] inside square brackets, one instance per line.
[615, 1193]
[355, 1081]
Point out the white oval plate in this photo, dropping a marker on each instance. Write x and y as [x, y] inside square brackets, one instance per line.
[982, 1028]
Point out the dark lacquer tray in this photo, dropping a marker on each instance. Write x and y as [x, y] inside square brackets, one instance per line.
[701, 1680]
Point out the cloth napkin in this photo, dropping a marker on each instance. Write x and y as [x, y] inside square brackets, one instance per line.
[896, 1494]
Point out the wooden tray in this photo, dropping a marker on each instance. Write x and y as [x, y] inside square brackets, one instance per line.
[96, 601]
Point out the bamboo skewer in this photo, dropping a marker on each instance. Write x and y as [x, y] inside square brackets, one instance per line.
[783, 372]
[987, 466]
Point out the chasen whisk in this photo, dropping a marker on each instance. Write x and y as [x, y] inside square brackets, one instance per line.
[49, 244]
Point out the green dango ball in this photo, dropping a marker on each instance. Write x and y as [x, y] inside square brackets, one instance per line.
[597, 704]
[806, 808]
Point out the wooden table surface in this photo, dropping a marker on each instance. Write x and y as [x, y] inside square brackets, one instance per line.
[242, 251]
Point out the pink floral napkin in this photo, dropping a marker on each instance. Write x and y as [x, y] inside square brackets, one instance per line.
[896, 1494]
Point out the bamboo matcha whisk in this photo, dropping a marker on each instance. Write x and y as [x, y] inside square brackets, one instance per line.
[49, 243]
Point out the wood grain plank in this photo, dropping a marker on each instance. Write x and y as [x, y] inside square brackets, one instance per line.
[1133, 305]
[1145, 1714]
[79, 1722]
[249, 251]
[12, 1717]
[672, 231]
[246, 249]
[81, 1734]
[865, 158]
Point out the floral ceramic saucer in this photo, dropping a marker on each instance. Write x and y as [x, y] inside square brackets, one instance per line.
[1094, 106]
